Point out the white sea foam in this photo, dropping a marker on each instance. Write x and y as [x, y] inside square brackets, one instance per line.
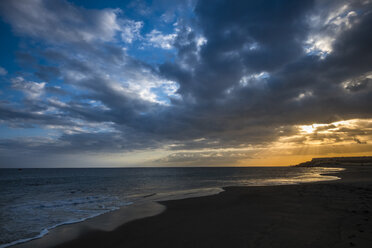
[45, 231]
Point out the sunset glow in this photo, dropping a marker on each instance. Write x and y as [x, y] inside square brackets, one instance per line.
[183, 83]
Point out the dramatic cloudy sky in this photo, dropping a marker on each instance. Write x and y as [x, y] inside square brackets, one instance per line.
[183, 83]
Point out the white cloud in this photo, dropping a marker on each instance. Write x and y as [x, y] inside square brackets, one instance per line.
[326, 28]
[358, 83]
[32, 90]
[3, 72]
[254, 78]
[130, 30]
[60, 21]
[57, 103]
[200, 41]
[160, 40]
[147, 86]
[303, 95]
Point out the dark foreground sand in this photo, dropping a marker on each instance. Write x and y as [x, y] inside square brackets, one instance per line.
[326, 214]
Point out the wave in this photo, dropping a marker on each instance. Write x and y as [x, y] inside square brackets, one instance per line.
[73, 221]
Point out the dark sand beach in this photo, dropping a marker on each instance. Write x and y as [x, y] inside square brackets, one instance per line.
[323, 214]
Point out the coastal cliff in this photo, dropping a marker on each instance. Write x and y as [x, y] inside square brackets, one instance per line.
[337, 161]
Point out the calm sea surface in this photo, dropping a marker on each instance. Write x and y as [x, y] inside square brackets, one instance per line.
[35, 200]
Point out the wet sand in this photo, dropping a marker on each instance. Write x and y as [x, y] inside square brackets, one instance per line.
[323, 214]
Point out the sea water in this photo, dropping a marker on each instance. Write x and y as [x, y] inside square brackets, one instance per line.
[34, 201]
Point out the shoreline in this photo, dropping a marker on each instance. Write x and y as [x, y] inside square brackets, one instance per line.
[322, 214]
[111, 220]
[105, 222]
[108, 221]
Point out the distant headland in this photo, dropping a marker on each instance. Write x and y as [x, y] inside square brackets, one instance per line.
[337, 161]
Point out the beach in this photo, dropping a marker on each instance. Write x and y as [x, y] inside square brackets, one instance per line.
[322, 214]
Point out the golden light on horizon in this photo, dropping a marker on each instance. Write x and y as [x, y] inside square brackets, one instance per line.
[341, 138]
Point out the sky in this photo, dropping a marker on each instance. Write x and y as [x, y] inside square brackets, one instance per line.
[184, 83]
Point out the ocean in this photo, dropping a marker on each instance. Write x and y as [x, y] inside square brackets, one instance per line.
[33, 201]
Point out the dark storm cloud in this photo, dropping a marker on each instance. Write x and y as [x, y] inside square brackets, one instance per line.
[244, 37]
[277, 33]
[248, 71]
[254, 37]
